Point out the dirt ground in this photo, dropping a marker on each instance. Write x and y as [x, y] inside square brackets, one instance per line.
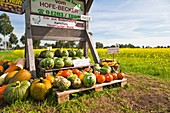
[141, 95]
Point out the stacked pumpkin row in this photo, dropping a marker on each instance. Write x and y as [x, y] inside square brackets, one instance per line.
[87, 77]
[59, 58]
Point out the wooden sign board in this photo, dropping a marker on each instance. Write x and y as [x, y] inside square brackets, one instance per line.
[113, 50]
[46, 21]
[12, 6]
[81, 62]
[72, 9]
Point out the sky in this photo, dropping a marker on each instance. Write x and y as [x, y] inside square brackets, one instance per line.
[139, 22]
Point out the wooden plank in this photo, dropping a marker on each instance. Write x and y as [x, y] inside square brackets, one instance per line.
[92, 48]
[29, 45]
[55, 33]
[63, 98]
[58, 38]
[86, 47]
[97, 87]
[88, 5]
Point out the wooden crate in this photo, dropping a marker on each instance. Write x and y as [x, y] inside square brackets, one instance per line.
[64, 96]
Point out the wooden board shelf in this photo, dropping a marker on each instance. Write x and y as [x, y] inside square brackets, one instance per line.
[64, 96]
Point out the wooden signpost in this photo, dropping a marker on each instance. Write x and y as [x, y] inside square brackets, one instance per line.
[66, 20]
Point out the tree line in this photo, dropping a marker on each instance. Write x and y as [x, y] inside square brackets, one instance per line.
[6, 29]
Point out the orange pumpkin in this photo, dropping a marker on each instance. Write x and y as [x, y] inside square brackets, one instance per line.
[1, 68]
[120, 75]
[2, 89]
[50, 78]
[11, 68]
[21, 75]
[67, 73]
[100, 78]
[114, 76]
[76, 71]
[108, 77]
[59, 73]
[81, 75]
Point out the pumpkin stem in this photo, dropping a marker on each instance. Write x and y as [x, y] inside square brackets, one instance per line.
[120, 71]
[41, 79]
[17, 83]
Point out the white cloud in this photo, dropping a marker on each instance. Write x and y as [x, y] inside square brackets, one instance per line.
[140, 22]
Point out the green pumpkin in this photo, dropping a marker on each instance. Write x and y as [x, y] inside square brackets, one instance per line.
[72, 53]
[89, 79]
[68, 62]
[97, 67]
[48, 63]
[16, 91]
[46, 54]
[40, 88]
[59, 63]
[75, 81]
[79, 53]
[105, 69]
[58, 53]
[42, 62]
[65, 53]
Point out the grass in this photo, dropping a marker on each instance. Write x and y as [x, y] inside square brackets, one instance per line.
[131, 99]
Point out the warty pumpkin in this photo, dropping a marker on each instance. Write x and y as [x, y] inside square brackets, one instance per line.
[21, 75]
[17, 91]
[39, 88]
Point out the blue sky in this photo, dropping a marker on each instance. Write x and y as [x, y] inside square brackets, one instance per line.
[139, 22]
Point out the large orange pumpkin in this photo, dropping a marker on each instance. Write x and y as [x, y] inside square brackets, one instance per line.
[21, 75]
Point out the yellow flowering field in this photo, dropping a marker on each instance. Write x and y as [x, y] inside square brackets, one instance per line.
[148, 61]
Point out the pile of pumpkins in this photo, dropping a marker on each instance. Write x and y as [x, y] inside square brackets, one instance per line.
[59, 58]
[16, 83]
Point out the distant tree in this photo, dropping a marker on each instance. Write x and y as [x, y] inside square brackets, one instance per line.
[17, 47]
[9, 45]
[22, 39]
[47, 45]
[5, 26]
[99, 45]
[0, 40]
[13, 39]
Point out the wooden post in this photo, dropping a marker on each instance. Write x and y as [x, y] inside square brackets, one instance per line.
[88, 35]
[92, 48]
[29, 53]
